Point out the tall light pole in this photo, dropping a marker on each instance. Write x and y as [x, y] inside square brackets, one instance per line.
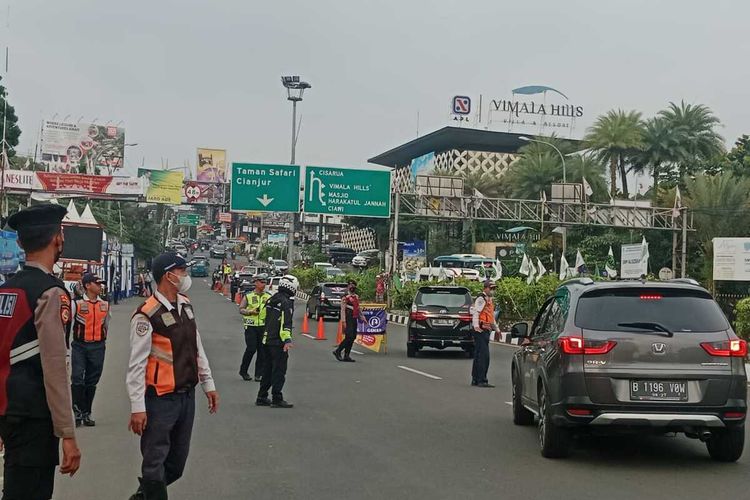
[295, 88]
[529, 139]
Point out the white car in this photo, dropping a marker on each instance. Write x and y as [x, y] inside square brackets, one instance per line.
[359, 261]
[322, 265]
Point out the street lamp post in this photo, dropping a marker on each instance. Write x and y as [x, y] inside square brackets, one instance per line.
[295, 88]
[529, 139]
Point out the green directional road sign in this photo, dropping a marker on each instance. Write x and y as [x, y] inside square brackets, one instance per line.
[348, 191]
[265, 188]
[188, 219]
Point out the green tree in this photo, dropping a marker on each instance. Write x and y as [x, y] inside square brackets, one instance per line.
[8, 116]
[721, 207]
[693, 126]
[614, 138]
[738, 157]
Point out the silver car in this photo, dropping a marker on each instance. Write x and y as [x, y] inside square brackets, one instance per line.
[637, 357]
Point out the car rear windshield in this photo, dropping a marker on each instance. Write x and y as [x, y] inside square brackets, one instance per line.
[677, 310]
[334, 289]
[443, 297]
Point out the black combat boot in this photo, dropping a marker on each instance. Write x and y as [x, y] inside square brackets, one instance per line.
[154, 490]
[90, 390]
[78, 394]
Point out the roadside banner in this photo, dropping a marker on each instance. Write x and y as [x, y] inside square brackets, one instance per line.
[202, 193]
[162, 186]
[212, 165]
[86, 184]
[81, 147]
[22, 180]
[371, 332]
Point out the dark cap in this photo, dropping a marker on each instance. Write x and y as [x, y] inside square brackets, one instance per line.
[91, 278]
[46, 214]
[489, 284]
[165, 262]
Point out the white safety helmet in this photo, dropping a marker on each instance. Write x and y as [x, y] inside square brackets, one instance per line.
[289, 283]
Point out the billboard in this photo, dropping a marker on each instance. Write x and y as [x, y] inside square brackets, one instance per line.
[87, 184]
[22, 180]
[82, 147]
[162, 186]
[212, 165]
[82, 243]
[731, 259]
[202, 193]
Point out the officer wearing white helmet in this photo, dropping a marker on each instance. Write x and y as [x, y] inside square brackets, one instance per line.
[276, 343]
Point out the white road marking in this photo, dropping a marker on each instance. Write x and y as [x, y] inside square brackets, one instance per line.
[509, 403]
[434, 377]
[308, 336]
[357, 352]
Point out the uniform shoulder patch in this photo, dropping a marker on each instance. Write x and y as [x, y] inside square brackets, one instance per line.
[64, 307]
[8, 303]
[141, 327]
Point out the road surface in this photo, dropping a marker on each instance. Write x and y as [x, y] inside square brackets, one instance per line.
[375, 429]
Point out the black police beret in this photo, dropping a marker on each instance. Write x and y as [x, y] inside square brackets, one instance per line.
[46, 214]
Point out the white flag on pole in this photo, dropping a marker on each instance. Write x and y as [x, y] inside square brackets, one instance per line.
[540, 268]
[644, 253]
[563, 267]
[532, 272]
[498, 270]
[580, 264]
[524, 266]
[610, 265]
[587, 187]
[677, 203]
[442, 275]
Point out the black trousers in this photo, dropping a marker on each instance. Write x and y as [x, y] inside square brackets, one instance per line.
[253, 345]
[86, 365]
[31, 454]
[350, 335]
[165, 442]
[275, 362]
[481, 357]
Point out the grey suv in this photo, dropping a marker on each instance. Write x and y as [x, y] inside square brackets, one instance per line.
[637, 357]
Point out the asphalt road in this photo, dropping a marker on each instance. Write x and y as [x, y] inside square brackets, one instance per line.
[374, 430]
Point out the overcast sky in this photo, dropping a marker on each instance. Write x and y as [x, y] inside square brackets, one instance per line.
[183, 73]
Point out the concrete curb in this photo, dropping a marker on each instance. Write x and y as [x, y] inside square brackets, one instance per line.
[498, 338]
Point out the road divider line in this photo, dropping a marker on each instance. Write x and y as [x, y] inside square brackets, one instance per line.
[308, 336]
[434, 377]
[509, 403]
[357, 352]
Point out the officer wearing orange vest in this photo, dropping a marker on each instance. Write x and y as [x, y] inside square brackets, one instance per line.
[167, 361]
[483, 321]
[87, 348]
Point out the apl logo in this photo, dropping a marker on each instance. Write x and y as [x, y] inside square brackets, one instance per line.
[461, 105]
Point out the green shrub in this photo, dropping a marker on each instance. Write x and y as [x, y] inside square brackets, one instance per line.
[308, 277]
[742, 318]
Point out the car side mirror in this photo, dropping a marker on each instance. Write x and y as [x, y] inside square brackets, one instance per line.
[519, 331]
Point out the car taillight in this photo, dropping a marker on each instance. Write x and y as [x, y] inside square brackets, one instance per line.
[418, 315]
[464, 317]
[726, 348]
[577, 345]
[651, 296]
[734, 415]
[578, 412]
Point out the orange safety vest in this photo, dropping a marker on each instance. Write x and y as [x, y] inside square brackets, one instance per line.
[91, 318]
[173, 361]
[487, 314]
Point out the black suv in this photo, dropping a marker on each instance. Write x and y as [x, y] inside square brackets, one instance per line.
[325, 300]
[339, 254]
[440, 317]
[637, 357]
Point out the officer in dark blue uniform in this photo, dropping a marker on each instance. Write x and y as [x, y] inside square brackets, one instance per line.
[35, 403]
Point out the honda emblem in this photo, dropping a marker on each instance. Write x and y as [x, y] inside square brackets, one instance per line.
[659, 348]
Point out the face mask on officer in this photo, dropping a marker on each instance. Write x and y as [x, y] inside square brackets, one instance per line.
[60, 244]
[183, 282]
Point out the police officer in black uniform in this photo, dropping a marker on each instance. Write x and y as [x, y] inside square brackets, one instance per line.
[276, 343]
[35, 403]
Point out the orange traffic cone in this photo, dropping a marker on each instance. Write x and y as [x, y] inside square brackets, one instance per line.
[340, 333]
[237, 298]
[305, 325]
[321, 333]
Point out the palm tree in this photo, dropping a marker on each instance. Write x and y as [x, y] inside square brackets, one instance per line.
[694, 126]
[489, 184]
[534, 173]
[593, 170]
[615, 137]
[663, 146]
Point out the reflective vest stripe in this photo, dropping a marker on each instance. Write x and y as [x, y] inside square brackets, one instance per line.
[25, 355]
[23, 348]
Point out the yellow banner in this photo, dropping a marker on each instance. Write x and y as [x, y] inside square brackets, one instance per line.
[212, 165]
[162, 186]
[372, 342]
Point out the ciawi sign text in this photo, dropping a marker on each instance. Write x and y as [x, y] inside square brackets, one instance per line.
[348, 191]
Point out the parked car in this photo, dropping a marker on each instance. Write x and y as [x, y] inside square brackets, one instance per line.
[367, 258]
[273, 284]
[199, 268]
[340, 254]
[440, 317]
[322, 265]
[643, 357]
[218, 251]
[325, 300]
[181, 249]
